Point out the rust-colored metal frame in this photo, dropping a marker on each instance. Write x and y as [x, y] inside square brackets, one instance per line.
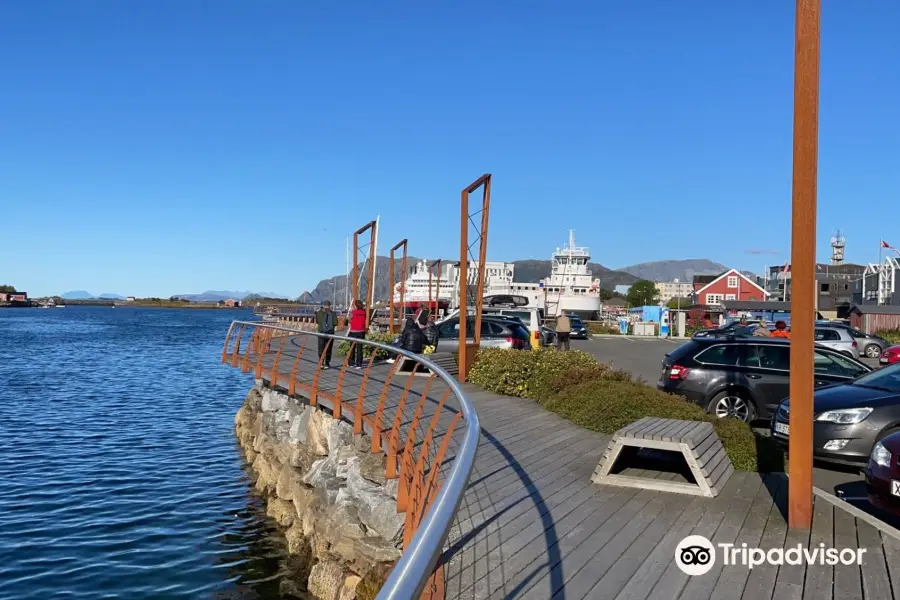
[371, 227]
[434, 302]
[418, 482]
[404, 271]
[483, 182]
[803, 259]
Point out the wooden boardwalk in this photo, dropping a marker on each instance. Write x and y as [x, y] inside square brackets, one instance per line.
[532, 525]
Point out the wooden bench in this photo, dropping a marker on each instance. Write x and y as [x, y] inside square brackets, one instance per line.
[445, 360]
[695, 440]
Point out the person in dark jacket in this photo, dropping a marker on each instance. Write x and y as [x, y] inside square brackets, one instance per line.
[412, 339]
[431, 333]
[357, 329]
[326, 322]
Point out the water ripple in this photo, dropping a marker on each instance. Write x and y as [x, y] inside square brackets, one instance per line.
[120, 473]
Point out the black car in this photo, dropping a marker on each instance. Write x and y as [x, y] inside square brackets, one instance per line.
[733, 328]
[745, 378]
[849, 418]
[579, 329]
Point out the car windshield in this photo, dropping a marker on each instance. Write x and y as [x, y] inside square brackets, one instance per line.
[887, 379]
[575, 321]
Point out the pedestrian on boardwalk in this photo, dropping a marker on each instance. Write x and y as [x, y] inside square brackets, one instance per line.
[357, 329]
[563, 331]
[412, 339]
[326, 322]
[431, 335]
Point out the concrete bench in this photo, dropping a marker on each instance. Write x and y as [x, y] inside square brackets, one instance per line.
[696, 441]
[445, 360]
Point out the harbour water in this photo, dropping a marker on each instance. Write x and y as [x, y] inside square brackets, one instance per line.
[120, 476]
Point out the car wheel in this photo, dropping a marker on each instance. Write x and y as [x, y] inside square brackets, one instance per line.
[873, 351]
[734, 404]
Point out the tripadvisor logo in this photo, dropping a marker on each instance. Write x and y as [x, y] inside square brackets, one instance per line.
[696, 555]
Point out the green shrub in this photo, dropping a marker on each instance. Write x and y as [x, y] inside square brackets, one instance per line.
[891, 335]
[607, 405]
[384, 338]
[522, 373]
[578, 374]
[602, 329]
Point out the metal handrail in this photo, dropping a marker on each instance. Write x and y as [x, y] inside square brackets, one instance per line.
[408, 578]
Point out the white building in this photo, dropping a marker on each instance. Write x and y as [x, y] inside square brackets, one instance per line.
[673, 289]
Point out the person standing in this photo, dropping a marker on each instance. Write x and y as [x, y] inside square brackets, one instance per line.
[357, 330]
[563, 331]
[326, 322]
[762, 330]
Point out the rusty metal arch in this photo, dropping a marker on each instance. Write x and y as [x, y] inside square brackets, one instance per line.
[404, 273]
[371, 228]
[467, 351]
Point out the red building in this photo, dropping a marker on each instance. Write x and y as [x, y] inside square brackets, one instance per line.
[712, 290]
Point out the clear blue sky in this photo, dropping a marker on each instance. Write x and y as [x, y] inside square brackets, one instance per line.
[161, 147]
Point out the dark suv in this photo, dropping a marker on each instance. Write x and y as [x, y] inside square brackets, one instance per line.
[579, 329]
[745, 378]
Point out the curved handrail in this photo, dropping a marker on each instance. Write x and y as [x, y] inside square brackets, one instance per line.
[409, 576]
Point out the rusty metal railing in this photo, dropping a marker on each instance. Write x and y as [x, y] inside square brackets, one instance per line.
[413, 419]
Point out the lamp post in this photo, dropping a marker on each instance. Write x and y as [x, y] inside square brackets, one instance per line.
[803, 258]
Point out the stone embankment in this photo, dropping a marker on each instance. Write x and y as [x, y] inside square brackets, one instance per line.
[325, 489]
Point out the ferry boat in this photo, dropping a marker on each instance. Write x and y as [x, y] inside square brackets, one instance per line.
[570, 286]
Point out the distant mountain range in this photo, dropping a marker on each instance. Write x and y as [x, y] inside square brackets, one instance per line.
[216, 295]
[532, 271]
[207, 296]
[83, 295]
[670, 270]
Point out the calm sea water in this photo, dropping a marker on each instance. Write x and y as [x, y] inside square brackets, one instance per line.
[121, 476]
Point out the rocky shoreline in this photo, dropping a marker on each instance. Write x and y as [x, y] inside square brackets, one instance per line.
[326, 490]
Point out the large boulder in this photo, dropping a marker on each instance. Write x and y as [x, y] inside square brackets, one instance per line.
[273, 401]
[338, 435]
[282, 511]
[326, 580]
[297, 431]
[377, 510]
[317, 433]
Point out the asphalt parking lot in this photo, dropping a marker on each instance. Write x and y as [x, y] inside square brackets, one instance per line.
[643, 358]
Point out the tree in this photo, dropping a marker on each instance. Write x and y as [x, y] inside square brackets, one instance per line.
[679, 303]
[643, 293]
[7, 288]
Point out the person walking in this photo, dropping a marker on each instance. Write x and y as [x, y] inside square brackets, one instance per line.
[412, 339]
[326, 322]
[431, 335]
[563, 331]
[357, 329]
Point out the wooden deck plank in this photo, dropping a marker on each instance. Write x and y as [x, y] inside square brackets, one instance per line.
[891, 547]
[761, 580]
[789, 581]
[847, 578]
[875, 580]
[819, 583]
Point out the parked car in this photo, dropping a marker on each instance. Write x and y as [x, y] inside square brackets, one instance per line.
[495, 333]
[883, 474]
[548, 336]
[530, 317]
[837, 338]
[890, 356]
[745, 377]
[579, 328]
[733, 328]
[870, 346]
[849, 418]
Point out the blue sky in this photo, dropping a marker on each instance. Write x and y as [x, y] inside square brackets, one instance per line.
[161, 147]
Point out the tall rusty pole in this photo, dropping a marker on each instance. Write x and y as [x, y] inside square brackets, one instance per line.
[467, 352]
[392, 276]
[370, 290]
[803, 262]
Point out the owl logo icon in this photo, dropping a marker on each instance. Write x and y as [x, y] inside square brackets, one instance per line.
[695, 555]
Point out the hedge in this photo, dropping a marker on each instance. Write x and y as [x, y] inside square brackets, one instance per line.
[602, 398]
[602, 329]
[891, 335]
[524, 373]
[384, 338]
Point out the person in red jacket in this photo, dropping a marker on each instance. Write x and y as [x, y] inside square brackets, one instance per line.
[357, 329]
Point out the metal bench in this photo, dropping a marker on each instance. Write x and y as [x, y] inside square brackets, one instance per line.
[695, 440]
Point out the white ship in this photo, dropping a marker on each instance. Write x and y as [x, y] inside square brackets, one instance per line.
[570, 286]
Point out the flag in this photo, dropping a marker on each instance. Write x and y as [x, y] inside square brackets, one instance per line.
[884, 244]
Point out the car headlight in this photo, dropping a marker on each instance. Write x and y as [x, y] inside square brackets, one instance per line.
[847, 416]
[880, 455]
